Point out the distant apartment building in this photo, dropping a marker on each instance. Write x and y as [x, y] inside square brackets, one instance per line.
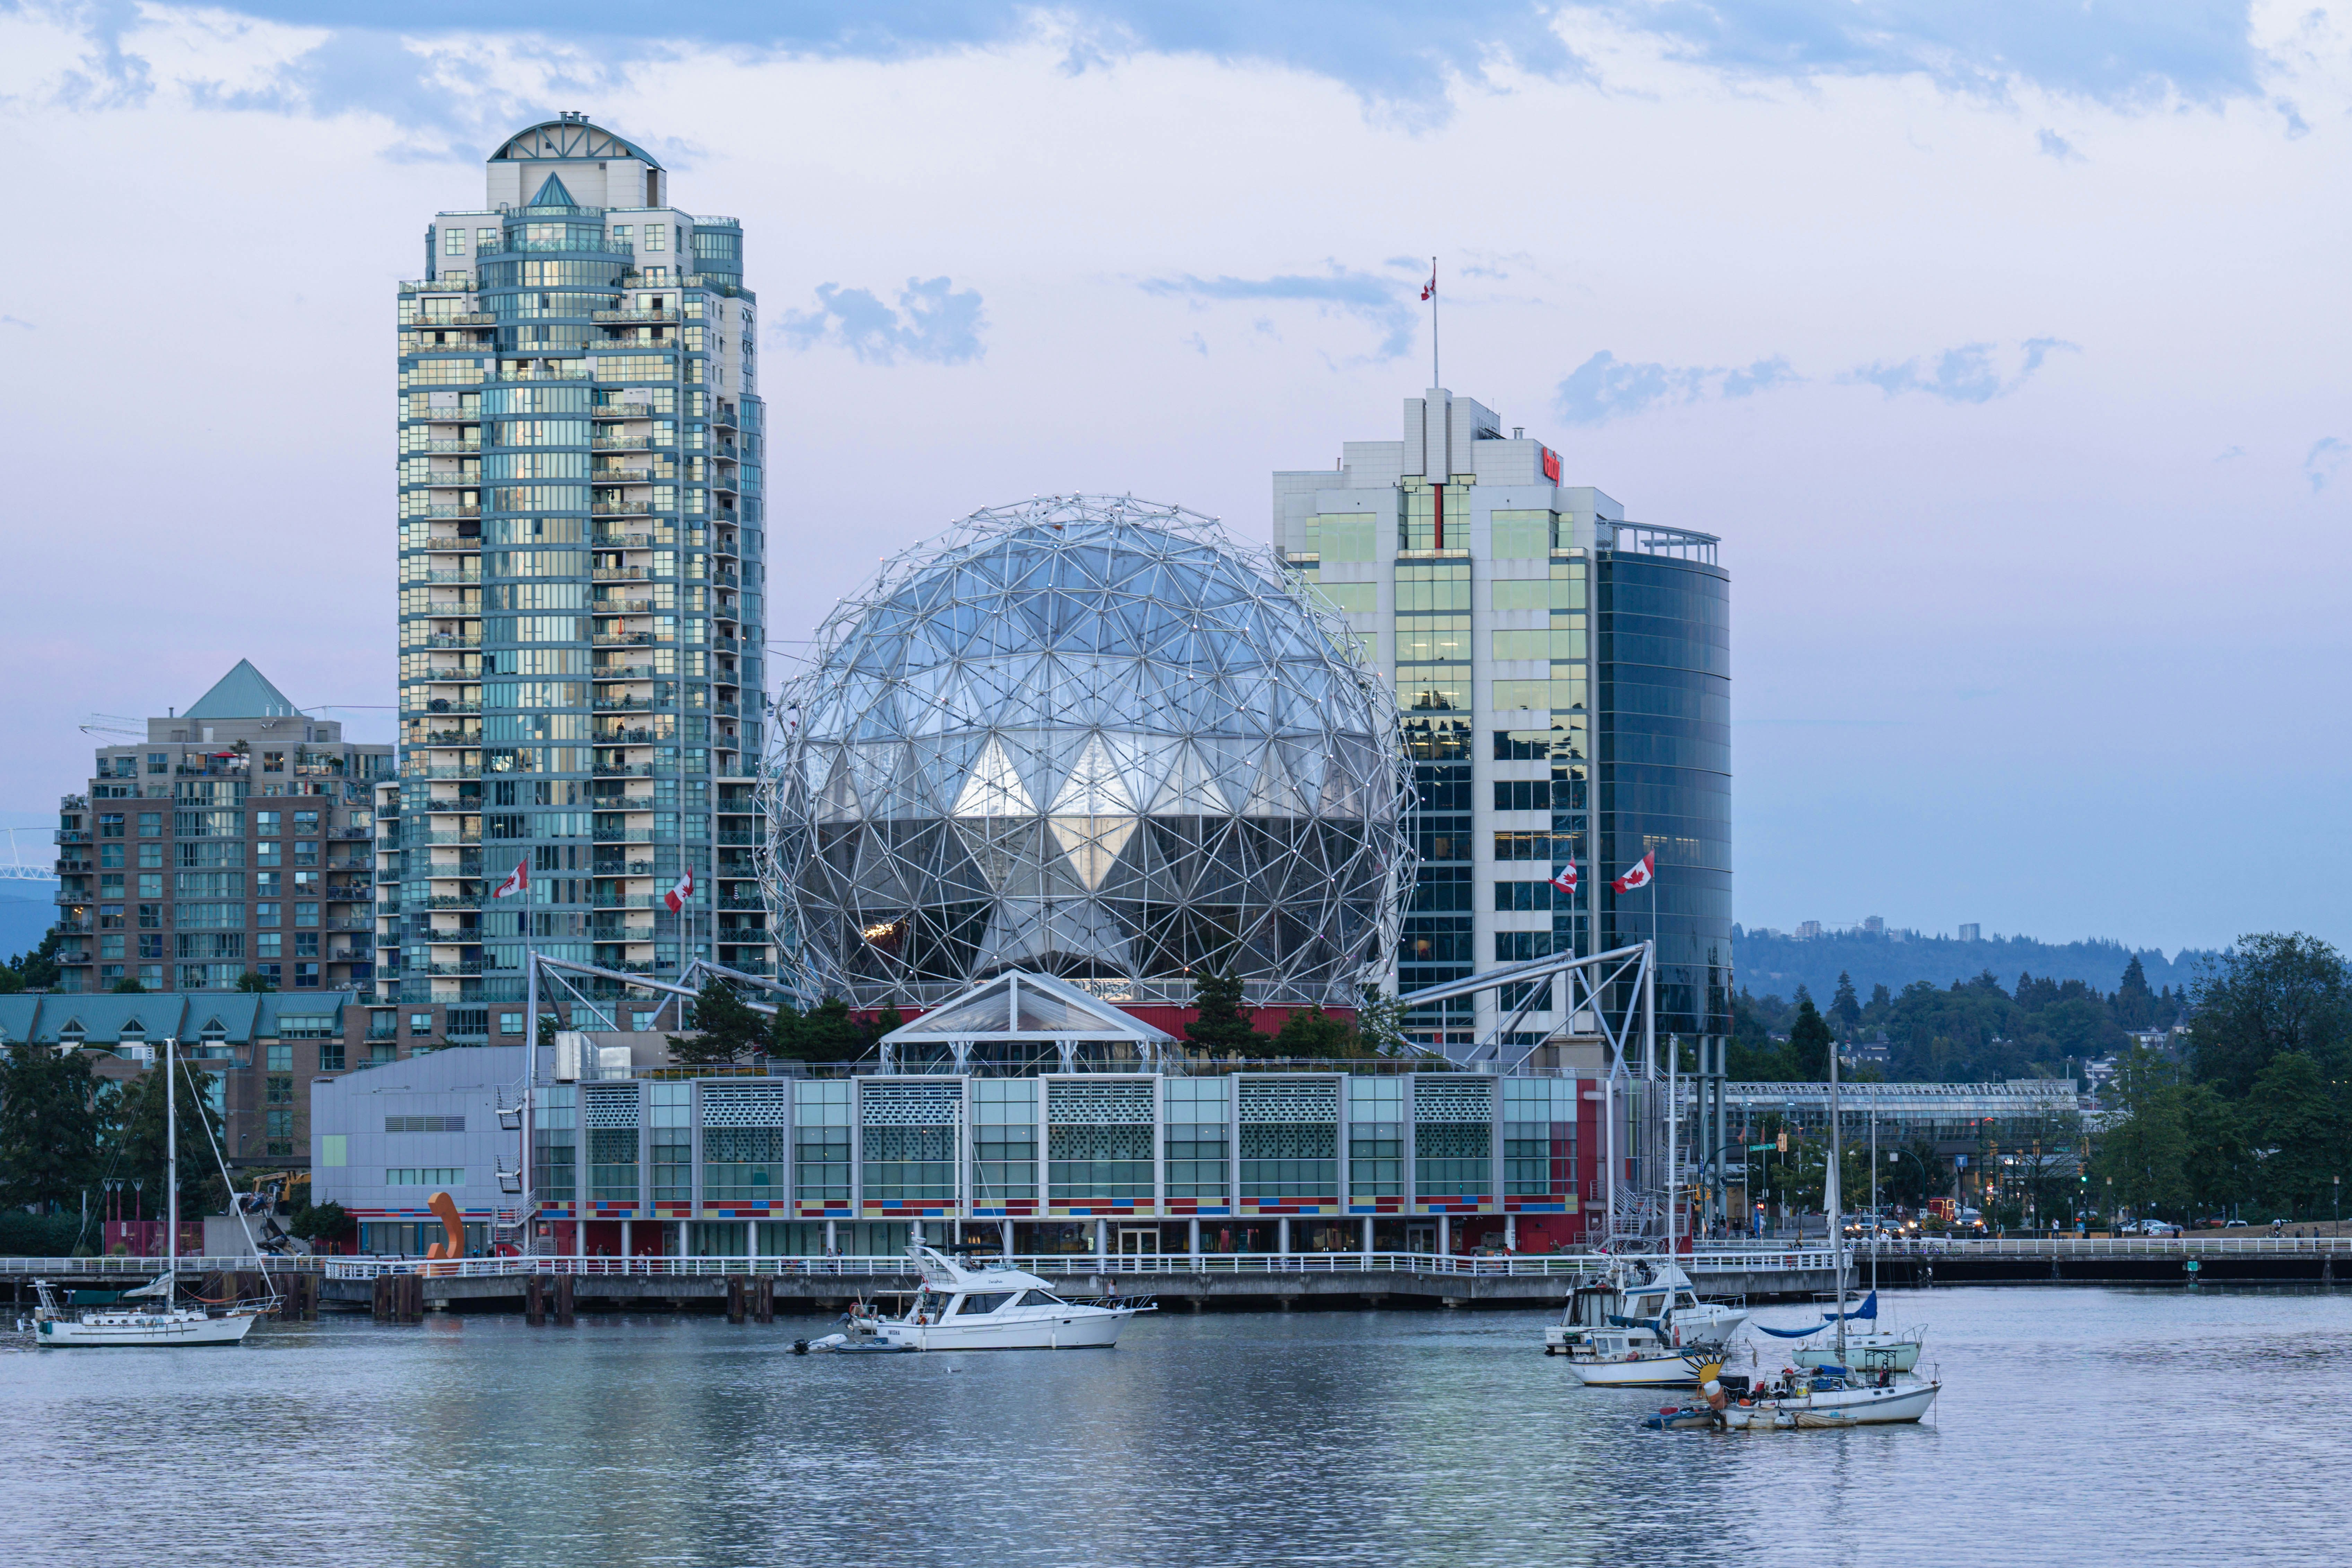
[237, 838]
[1565, 681]
[1808, 930]
[1971, 932]
[582, 565]
[1873, 925]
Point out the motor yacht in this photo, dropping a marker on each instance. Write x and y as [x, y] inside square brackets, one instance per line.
[1644, 1293]
[961, 1307]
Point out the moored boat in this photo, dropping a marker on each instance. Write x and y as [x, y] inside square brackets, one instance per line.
[983, 1308]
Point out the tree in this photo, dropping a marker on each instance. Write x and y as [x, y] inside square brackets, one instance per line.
[1379, 1023]
[53, 1118]
[2144, 1153]
[2134, 1004]
[2268, 996]
[825, 1033]
[1809, 1042]
[1846, 1007]
[725, 1029]
[1312, 1032]
[320, 1222]
[1221, 1025]
[33, 971]
[254, 980]
[127, 986]
[2300, 1126]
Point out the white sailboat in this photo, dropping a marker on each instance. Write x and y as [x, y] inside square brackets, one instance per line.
[168, 1324]
[1832, 1394]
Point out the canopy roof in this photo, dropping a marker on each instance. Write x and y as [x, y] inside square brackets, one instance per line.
[1021, 1006]
[243, 693]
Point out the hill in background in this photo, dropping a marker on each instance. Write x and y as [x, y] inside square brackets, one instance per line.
[1775, 964]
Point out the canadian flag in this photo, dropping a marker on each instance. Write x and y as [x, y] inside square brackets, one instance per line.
[1430, 287]
[1638, 875]
[518, 880]
[1566, 880]
[676, 898]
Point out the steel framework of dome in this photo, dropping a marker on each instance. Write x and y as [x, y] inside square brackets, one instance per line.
[1091, 737]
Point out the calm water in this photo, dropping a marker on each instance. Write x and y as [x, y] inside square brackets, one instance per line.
[2077, 1425]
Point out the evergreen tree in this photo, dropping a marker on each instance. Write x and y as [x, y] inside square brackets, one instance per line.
[1221, 1025]
[2303, 1127]
[2268, 996]
[725, 1029]
[1379, 1023]
[1846, 1007]
[825, 1033]
[254, 980]
[1809, 1042]
[1312, 1032]
[128, 986]
[53, 1119]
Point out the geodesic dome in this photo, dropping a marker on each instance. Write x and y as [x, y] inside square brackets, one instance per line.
[1090, 737]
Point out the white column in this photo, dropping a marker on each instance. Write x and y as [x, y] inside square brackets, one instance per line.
[1006, 1227]
[625, 1241]
[832, 1237]
[1445, 1226]
[681, 1238]
[1282, 1236]
[1102, 1242]
[1193, 1238]
[752, 1240]
[915, 1233]
[1367, 1239]
[1511, 1232]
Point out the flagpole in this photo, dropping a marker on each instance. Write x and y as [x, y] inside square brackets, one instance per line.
[1433, 380]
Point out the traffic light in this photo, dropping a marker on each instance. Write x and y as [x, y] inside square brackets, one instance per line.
[1784, 1142]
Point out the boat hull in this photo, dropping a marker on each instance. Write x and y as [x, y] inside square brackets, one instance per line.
[1836, 1407]
[1088, 1329]
[127, 1332]
[1649, 1372]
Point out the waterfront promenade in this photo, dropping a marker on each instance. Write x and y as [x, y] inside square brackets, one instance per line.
[1230, 1280]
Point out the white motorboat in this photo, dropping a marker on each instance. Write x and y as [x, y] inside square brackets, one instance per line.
[1651, 1293]
[983, 1309]
[164, 1324]
[1637, 1358]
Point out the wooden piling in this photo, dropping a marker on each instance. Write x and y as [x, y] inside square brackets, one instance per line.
[763, 1300]
[563, 1294]
[380, 1298]
[534, 1300]
[734, 1298]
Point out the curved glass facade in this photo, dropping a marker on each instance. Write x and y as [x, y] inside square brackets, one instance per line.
[1089, 737]
[1662, 772]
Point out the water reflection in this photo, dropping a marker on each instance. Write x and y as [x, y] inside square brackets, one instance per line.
[2079, 1426]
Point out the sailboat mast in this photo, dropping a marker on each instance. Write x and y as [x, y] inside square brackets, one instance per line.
[172, 1154]
[1837, 1223]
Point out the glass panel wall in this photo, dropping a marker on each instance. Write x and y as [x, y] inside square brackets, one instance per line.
[1004, 1140]
[555, 1121]
[1197, 1124]
[1375, 1138]
[1099, 1141]
[820, 1142]
[1538, 1137]
[672, 1142]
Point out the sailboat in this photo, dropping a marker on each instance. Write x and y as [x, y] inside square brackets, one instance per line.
[168, 1324]
[1872, 1350]
[1833, 1394]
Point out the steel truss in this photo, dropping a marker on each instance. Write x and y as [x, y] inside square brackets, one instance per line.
[1619, 994]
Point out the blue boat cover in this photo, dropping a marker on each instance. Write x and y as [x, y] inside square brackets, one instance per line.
[1866, 1312]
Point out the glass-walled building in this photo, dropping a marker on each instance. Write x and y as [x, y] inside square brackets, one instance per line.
[581, 565]
[1565, 681]
[1196, 1158]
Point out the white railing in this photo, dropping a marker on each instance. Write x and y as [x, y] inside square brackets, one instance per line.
[1561, 1265]
[148, 1268]
[2112, 1247]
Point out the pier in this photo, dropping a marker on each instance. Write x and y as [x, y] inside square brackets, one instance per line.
[403, 1290]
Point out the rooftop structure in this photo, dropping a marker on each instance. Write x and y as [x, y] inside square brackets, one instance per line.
[1087, 737]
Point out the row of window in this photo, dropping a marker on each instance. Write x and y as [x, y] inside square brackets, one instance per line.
[199, 917]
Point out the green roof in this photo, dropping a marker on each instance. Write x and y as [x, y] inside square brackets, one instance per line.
[553, 195]
[243, 693]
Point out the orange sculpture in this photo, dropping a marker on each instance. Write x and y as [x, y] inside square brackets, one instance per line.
[444, 1209]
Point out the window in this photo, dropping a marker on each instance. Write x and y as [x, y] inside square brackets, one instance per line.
[1523, 846]
[621, 233]
[279, 1058]
[553, 1136]
[485, 239]
[981, 1306]
[656, 237]
[1375, 1138]
[110, 825]
[331, 1057]
[453, 242]
[265, 914]
[151, 917]
[159, 762]
[306, 914]
[1522, 535]
[1343, 536]
[306, 976]
[1516, 896]
[150, 856]
[273, 972]
[420, 1022]
[273, 762]
[111, 947]
[672, 1142]
[266, 945]
[306, 944]
[276, 1090]
[509, 1023]
[820, 1142]
[151, 824]
[1197, 1142]
[426, 1176]
[1004, 1140]
[1525, 794]
[151, 944]
[424, 1125]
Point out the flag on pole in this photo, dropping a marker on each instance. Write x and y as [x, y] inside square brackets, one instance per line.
[518, 880]
[1639, 874]
[1566, 880]
[1429, 290]
[676, 898]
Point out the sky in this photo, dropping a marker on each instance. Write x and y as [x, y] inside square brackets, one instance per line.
[2004, 346]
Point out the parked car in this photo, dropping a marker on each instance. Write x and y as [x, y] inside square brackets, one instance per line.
[2159, 1228]
[2235, 1223]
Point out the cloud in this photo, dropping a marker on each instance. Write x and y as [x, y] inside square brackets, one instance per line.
[2319, 464]
[2114, 52]
[934, 321]
[18, 322]
[1969, 373]
[2056, 146]
[1605, 387]
[2231, 456]
[1376, 301]
[2296, 127]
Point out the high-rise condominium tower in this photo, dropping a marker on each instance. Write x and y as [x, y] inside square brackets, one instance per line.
[1565, 679]
[581, 565]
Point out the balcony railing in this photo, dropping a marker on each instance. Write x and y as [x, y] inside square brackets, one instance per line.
[445, 479]
[622, 639]
[621, 672]
[444, 445]
[620, 573]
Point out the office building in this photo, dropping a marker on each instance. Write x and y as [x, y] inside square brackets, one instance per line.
[1564, 677]
[234, 840]
[582, 564]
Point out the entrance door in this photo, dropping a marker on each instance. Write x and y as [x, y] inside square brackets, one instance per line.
[1139, 1241]
[1421, 1237]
